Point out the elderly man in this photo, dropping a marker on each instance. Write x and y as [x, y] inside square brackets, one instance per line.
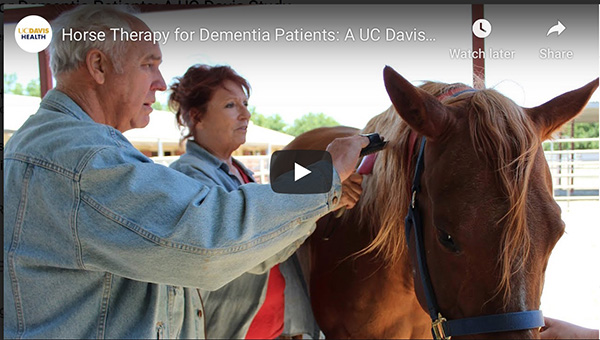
[94, 232]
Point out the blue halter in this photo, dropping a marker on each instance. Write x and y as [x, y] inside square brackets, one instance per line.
[442, 328]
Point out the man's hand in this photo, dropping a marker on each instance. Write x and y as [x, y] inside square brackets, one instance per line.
[351, 191]
[344, 154]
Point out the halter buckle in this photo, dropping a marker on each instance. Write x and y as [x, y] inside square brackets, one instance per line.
[413, 199]
[437, 327]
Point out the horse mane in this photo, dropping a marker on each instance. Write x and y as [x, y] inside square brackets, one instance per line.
[502, 135]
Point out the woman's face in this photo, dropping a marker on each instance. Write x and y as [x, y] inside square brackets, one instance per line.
[222, 129]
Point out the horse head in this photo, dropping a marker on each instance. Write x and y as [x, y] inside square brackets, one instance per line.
[485, 201]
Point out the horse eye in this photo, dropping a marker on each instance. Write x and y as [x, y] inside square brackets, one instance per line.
[447, 241]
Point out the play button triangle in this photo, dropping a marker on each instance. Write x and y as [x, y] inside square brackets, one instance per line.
[300, 171]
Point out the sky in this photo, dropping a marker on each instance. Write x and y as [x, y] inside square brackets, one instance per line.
[329, 58]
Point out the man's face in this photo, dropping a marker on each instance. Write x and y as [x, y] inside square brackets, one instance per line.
[130, 94]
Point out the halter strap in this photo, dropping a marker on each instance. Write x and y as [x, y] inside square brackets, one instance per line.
[496, 323]
[455, 92]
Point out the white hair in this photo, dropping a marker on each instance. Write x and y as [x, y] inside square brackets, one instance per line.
[67, 54]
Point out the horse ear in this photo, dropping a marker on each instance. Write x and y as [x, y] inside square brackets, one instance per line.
[422, 111]
[550, 116]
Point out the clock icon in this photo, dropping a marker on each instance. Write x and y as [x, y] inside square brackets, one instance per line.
[482, 28]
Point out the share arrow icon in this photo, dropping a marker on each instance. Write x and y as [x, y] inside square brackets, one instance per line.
[558, 28]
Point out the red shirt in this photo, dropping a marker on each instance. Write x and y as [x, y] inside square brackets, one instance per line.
[268, 322]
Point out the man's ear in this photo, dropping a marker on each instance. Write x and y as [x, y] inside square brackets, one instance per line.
[97, 64]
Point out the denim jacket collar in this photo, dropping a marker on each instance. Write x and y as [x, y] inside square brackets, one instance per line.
[58, 101]
[205, 160]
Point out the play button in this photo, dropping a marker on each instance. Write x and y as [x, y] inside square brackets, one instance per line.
[301, 171]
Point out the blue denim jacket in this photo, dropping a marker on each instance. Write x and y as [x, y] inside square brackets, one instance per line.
[94, 232]
[230, 310]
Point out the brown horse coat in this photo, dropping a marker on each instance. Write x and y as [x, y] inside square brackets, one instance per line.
[490, 221]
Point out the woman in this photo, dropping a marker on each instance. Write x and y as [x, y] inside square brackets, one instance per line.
[211, 103]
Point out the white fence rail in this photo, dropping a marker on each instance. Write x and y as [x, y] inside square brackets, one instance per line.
[575, 173]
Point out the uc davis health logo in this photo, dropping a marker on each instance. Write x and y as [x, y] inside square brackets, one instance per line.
[33, 33]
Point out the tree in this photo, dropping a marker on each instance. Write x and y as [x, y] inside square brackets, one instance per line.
[10, 80]
[274, 122]
[33, 88]
[310, 121]
[12, 86]
[18, 89]
[582, 130]
[159, 106]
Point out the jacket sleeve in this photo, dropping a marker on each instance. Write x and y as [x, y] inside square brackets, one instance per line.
[150, 223]
[283, 255]
[196, 172]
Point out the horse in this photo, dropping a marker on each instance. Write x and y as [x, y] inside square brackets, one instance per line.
[489, 220]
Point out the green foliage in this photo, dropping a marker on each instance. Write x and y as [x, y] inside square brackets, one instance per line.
[159, 106]
[18, 89]
[581, 130]
[33, 88]
[307, 122]
[11, 85]
[310, 121]
[274, 122]
[9, 82]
